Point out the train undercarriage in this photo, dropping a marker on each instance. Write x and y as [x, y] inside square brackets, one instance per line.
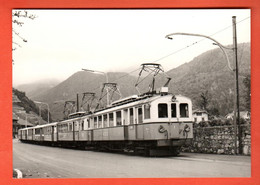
[146, 148]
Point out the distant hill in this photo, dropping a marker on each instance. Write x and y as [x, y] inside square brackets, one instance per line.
[208, 73]
[81, 82]
[34, 89]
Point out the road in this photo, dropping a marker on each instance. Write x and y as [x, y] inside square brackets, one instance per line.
[53, 162]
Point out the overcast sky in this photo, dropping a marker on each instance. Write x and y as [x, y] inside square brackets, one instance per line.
[61, 42]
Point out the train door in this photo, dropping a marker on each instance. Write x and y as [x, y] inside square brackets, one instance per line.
[57, 131]
[52, 133]
[174, 126]
[33, 133]
[125, 123]
[140, 126]
[75, 130]
[41, 134]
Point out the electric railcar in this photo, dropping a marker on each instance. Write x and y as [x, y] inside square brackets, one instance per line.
[150, 124]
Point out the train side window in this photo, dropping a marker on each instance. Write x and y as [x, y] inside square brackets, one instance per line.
[162, 110]
[37, 131]
[92, 122]
[140, 115]
[126, 121]
[99, 121]
[95, 122]
[173, 110]
[184, 111]
[70, 127]
[118, 118]
[131, 116]
[111, 119]
[88, 123]
[76, 126]
[65, 127]
[30, 132]
[105, 120]
[82, 125]
[147, 114]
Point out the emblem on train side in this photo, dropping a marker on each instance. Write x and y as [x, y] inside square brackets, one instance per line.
[186, 130]
[161, 129]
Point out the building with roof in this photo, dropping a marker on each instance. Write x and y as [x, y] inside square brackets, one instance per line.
[200, 115]
[19, 123]
[246, 115]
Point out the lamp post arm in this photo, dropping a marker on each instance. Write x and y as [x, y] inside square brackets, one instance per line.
[215, 42]
[229, 66]
[105, 74]
[197, 35]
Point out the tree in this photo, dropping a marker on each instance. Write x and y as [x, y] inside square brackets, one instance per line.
[204, 100]
[18, 17]
[247, 92]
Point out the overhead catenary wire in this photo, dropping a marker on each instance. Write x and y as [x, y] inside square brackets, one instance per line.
[177, 51]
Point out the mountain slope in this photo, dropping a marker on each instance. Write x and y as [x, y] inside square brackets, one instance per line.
[26, 109]
[207, 73]
[33, 89]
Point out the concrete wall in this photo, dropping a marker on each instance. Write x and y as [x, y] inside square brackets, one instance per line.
[219, 140]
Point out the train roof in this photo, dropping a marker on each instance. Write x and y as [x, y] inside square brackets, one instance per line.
[40, 126]
[143, 100]
[120, 104]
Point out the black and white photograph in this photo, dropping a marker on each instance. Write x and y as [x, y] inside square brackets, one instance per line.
[131, 93]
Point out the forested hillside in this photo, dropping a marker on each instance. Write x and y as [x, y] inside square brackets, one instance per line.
[207, 80]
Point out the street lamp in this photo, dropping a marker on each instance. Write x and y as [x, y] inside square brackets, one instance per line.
[234, 48]
[215, 43]
[26, 119]
[47, 107]
[94, 71]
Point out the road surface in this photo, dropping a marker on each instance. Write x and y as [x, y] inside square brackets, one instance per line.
[53, 162]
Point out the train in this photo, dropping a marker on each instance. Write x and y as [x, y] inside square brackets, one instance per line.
[158, 123]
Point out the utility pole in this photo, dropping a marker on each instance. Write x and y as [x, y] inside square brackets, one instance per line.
[77, 103]
[237, 126]
[236, 118]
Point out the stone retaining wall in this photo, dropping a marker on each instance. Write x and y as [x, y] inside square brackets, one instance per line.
[219, 140]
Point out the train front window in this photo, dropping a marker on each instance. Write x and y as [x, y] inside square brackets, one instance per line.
[173, 109]
[184, 111]
[162, 110]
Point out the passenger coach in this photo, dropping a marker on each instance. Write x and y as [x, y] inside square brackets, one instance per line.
[150, 124]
